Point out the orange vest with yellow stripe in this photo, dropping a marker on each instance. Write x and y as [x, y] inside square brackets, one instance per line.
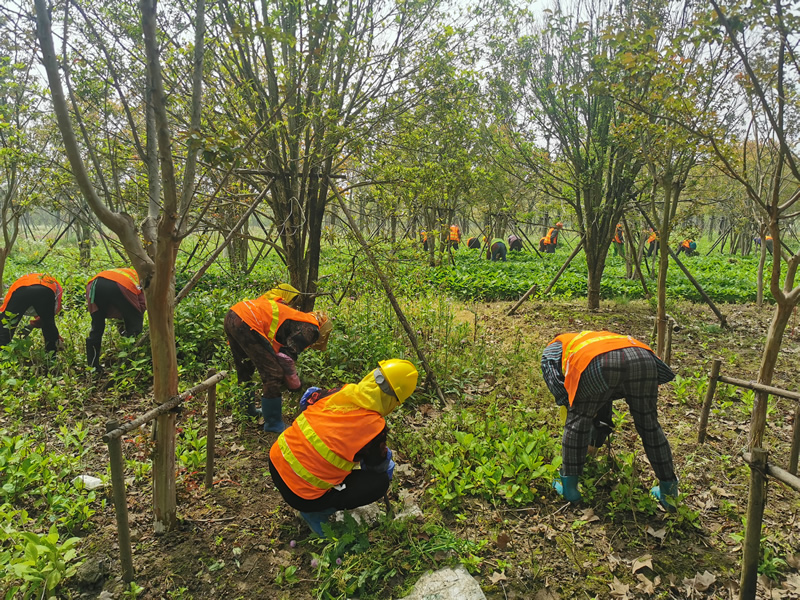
[34, 279]
[316, 453]
[578, 350]
[127, 278]
[547, 238]
[455, 233]
[265, 316]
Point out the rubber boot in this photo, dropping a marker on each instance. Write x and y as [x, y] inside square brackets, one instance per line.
[316, 519]
[248, 402]
[567, 488]
[666, 492]
[273, 417]
[93, 355]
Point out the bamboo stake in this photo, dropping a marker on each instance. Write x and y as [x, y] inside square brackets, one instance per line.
[668, 350]
[712, 388]
[635, 256]
[211, 432]
[777, 473]
[120, 502]
[565, 265]
[521, 300]
[795, 453]
[755, 514]
[388, 289]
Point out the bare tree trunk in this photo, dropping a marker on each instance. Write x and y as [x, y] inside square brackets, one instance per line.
[758, 421]
[762, 259]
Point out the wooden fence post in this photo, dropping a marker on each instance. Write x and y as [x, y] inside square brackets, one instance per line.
[795, 441]
[120, 502]
[211, 431]
[712, 388]
[755, 514]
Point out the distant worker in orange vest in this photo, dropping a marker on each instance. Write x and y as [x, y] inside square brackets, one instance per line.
[473, 243]
[36, 295]
[688, 247]
[515, 243]
[315, 462]
[619, 241]
[113, 294]
[267, 335]
[423, 236]
[652, 243]
[455, 236]
[549, 242]
[585, 372]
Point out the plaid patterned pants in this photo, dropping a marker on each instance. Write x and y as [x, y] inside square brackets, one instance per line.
[631, 373]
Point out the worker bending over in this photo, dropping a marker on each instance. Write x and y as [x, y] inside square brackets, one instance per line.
[585, 372]
[549, 242]
[113, 294]
[473, 243]
[652, 243]
[497, 250]
[619, 241]
[688, 247]
[267, 335]
[37, 295]
[455, 236]
[514, 243]
[334, 456]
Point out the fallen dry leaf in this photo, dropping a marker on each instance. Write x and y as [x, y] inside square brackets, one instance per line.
[496, 577]
[642, 562]
[619, 589]
[236, 448]
[613, 561]
[660, 534]
[645, 585]
[502, 541]
[792, 583]
[589, 516]
[793, 560]
[701, 582]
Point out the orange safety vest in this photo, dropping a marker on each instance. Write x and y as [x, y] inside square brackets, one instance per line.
[653, 237]
[266, 317]
[34, 279]
[316, 453]
[547, 237]
[578, 350]
[455, 233]
[127, 278]
[685, 243]
[424, 235]
[618, 236]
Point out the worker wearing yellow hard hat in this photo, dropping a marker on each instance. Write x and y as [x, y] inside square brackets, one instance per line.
[334, 456]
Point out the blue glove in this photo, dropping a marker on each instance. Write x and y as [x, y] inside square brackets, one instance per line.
[392, 465]
[304, 400]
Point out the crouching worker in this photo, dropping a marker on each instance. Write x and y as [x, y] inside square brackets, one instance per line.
[334, 456]
[585, 372]
[113, 294]
[37, 295]
[267, 335]
[497, 250]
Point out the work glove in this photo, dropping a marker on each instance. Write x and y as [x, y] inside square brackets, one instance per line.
[391, 465]
[306, 400]
[666, 492]
[293, 382]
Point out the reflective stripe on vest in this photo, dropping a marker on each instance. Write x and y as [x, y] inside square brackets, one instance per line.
[320, 446]
[127, 278]
[299, 469]
[266, 316]
[276, 321]
[34, 279]
[575, 357]
[547, 238]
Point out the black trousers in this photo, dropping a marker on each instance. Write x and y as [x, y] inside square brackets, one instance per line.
[361, 488]
[42, 300]
[108, 297]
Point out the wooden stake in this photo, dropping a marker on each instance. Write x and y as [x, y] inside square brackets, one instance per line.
[793, 456]
[211, 431]
[712, 388]
[755, 514]
[388, 289]
[668, 350]
[120, 502]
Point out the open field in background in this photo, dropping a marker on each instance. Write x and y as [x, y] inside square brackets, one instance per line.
[479, 466]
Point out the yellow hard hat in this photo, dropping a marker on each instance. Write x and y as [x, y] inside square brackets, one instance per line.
[401, 375]
[325, 327]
